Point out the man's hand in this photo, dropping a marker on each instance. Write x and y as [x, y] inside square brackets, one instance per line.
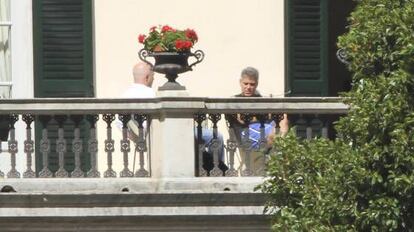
[284, 125]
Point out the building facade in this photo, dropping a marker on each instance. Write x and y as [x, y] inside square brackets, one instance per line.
[66, 49]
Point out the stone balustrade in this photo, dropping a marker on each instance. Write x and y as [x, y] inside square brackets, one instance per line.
[168, 135]
[74, 164]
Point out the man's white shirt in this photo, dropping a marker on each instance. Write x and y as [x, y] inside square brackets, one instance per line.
[136, 91]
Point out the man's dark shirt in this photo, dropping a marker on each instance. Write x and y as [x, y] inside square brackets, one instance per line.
[254, 95]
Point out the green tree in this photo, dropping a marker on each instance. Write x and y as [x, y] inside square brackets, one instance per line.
[365, 180]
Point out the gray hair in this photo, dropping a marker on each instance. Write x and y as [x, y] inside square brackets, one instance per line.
[250, 72]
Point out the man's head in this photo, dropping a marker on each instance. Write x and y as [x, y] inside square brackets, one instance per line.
[143, 74]
[248, 81]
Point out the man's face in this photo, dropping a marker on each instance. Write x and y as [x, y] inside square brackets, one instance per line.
[248, 86]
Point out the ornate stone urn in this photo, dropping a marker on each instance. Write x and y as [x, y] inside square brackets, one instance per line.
[171, 64]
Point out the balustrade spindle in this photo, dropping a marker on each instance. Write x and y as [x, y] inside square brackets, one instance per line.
[45, 147]
[309, 129]
[231, 148]
[4, 119]
[109, 144]
[77, 146]
[300, 126]
[262, 143]
[202, 171]
[93, 146]
[199, 118]
[125, 145]
[325, 125]
[246, 145]
[61, 146]
[28, 146]
[215, 145]
[262, 140]
[1, 150]
[317, 126]
[141, 145]
[13, 148]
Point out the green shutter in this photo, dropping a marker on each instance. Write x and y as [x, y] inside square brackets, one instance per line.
[63, 48]
[62, 35]
[307, 44]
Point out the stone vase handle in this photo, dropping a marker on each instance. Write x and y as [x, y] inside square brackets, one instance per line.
[143, 54]
[199, 55]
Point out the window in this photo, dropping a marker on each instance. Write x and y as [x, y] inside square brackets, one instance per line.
[312, 29]
[5, 52]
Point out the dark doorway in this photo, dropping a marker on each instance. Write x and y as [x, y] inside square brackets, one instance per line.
[339, 77]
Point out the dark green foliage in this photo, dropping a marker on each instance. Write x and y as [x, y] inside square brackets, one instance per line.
[365, 180]
[314, 184]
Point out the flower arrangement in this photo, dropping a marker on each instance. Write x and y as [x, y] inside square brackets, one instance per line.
[168, 39]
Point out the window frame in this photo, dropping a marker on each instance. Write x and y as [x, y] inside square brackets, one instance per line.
[8, 84]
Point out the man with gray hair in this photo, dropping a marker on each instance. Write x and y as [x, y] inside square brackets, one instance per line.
[252, 157]
[249, 80]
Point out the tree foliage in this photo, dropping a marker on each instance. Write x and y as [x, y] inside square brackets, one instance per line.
[365, 180]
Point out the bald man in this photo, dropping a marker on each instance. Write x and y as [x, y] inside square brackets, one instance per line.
[141, 88]
[143, 78]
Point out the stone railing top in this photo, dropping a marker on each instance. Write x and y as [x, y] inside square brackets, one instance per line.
[38, 106]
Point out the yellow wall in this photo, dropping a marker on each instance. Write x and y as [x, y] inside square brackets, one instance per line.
[232, 33]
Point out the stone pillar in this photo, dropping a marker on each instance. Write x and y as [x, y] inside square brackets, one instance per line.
[172, 140]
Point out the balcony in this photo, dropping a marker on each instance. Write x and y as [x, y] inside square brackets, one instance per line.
[74, 163]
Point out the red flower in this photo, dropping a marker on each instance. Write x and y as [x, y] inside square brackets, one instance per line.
[179, 44]
[191, 34]
[187, 44]
[166, 28]
[141, 38]
[182, 45]
[168, 38]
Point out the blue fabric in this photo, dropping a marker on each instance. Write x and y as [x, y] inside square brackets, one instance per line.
[254, 133]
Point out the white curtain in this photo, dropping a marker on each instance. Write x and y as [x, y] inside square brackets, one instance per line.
[5, 58]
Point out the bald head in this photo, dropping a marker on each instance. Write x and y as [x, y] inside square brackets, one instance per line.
[143, 74]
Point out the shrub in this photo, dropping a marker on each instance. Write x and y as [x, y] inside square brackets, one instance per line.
[313, 185]
[365, 180]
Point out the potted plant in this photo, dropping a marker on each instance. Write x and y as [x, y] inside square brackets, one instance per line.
[168, 39]
[171, 49]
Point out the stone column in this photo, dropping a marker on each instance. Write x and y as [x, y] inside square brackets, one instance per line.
[172, 137]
